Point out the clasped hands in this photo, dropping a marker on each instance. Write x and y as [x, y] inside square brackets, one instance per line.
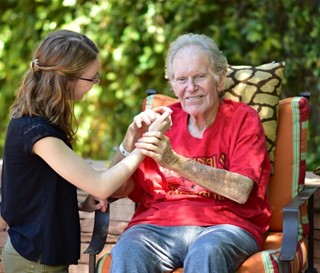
[148, 127]
[153, 143]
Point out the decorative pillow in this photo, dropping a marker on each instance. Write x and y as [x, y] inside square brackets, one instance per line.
[259, 87]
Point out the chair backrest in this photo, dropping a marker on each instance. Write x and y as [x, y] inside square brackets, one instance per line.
[290, 159]
[290, 155]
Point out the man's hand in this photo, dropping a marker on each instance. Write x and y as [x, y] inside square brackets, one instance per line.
[156, 145]
[156, 119]
[91, 204]
[163, 121]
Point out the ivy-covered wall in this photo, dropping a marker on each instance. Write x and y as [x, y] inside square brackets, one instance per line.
[133, 36]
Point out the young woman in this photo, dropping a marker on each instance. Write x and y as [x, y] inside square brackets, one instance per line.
[41, 173]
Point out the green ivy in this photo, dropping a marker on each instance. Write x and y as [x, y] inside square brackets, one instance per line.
[133, 37]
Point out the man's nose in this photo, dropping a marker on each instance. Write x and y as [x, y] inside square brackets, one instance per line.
[191, 84]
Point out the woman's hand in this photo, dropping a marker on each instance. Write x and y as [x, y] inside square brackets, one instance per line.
[146, 118]
[157, 119]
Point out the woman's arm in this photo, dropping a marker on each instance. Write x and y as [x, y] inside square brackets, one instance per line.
[77, 171]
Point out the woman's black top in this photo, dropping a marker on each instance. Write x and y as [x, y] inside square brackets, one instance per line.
[39, 206]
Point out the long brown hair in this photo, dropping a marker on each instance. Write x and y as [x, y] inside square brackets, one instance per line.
[45, 89]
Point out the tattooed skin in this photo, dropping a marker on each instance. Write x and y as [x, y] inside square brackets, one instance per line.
[228, 184]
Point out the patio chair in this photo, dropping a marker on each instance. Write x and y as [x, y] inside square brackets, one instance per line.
[286, 246]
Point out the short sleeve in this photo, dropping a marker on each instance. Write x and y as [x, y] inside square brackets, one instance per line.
[249, 152]
[37, 129]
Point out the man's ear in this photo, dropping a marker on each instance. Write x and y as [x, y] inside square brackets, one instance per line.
[222, 80]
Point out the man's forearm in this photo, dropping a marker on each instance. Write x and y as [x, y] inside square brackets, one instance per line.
[228, 184]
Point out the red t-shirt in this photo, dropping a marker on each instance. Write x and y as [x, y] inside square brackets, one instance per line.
[234, 142]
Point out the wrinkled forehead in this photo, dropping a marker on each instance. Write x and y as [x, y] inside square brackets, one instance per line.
[190, 60]
[190, 50]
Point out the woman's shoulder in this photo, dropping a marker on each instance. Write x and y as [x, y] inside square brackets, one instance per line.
[35, 125]
[27, 119]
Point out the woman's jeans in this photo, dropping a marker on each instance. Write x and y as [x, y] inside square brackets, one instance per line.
[149, 248]
[13, 262]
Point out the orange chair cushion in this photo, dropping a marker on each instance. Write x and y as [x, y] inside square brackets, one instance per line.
[103, 264]
[290, 164]
[268, 260]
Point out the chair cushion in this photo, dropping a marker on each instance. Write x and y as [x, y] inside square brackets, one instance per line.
[103, 264]
[263, 261]
[267, 260]
[290, 152]
[157, 100]
[259, 87]
[284, 185]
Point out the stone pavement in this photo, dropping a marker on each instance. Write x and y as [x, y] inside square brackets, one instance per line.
[121, 212]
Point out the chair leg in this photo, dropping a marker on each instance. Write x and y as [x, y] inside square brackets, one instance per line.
[92, 263]
[286, 266]
[311, 268]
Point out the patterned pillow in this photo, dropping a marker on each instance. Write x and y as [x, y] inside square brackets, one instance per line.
[259, 87]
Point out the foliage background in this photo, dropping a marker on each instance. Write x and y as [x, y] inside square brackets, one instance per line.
[133, 36]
